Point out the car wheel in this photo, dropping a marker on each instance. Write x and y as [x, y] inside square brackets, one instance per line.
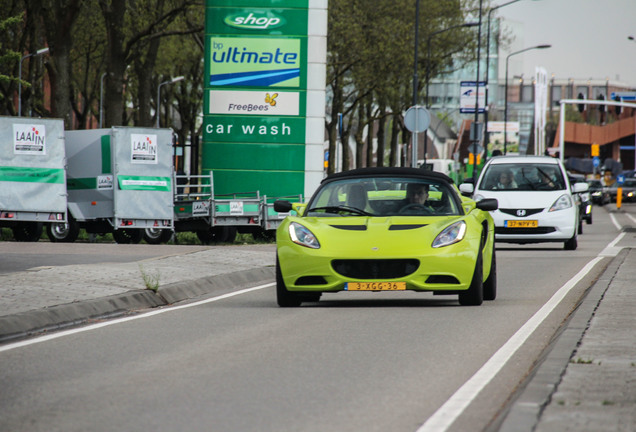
[27, 231]
[490, 284]
[474, 295]
[217, 234]
[157, 236]
[580, 226]
[63, 232]
[571, 244]
[589, 220]
[127, 236]
[284, 298]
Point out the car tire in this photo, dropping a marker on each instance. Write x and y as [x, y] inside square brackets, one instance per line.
[474, 295]
[580, 230]
[490, 284]
[27, 231]
[63, 232]
[128, 236]
[157, 236]
[571, 244]
[589, 220]
[284, 298]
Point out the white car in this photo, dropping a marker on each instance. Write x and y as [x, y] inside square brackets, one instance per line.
[535, 199]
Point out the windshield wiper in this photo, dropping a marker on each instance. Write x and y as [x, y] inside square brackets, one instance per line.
[337, 209]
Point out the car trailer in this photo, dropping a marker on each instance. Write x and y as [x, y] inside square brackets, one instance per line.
[119, 181]
[32, 175]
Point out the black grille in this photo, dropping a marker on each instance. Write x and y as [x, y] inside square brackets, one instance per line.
[350, 227]
[375, 269]
[311, 280]
[405, 227]
[442, 279]
[523, 231]
[513, 212]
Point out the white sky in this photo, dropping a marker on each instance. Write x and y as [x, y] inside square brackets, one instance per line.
[588, 38]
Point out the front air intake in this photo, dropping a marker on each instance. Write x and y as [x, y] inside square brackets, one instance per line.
[375, 268]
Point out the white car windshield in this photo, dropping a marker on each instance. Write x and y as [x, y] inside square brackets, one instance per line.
[388, 196]
[523, 177]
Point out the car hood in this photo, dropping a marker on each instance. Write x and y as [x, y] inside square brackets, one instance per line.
[395, 232]
[523, 199]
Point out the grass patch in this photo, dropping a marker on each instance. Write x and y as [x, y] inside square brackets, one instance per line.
[150, 280]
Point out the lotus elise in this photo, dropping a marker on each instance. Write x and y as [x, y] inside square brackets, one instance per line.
[386, 229]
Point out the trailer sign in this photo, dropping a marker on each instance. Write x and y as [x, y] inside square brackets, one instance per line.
[29, 139]
[144, 148]
[105, 182]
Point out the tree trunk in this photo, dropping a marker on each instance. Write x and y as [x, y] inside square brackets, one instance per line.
[113, 12]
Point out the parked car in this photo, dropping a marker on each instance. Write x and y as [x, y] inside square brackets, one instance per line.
[386, 229]
[583, 200]
[629, 190]
[598, 193]
[536, 202]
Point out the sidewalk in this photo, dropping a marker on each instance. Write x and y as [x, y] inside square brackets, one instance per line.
[587, 382]
[55, 297]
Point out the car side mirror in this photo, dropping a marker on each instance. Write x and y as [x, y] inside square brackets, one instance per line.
[580, 187]
[488, 204]
[282, 206]
[467, 188]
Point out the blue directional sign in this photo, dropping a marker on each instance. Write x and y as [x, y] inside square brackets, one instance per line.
[596, 161]
[620, 179]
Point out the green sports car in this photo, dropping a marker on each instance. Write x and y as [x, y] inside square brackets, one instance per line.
[386, 229]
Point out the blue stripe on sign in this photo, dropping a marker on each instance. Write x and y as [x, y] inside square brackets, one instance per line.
[261, 78]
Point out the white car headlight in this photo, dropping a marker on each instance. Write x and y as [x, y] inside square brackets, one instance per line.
[450, 235]
[564, 202]
[302, 236]
[478, 197]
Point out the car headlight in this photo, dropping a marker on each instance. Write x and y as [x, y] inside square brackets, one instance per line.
[564, 202]
[478, 197]
[303, 236]
[450, 235]
[596, 193]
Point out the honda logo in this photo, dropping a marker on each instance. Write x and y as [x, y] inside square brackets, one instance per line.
[521, 213]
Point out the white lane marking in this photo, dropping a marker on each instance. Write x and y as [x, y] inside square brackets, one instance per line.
[446, 415]
[615, 222]
[631, 217]
[611, 249]
[130, 318]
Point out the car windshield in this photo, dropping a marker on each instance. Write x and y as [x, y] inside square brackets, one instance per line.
[522, 177]
[384, 197]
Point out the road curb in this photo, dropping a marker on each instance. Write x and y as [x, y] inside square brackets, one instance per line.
[525, 412]
[23, 324]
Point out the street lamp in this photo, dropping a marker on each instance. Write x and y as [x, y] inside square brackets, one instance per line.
[37, 53]
[172, 81]
[506, 90]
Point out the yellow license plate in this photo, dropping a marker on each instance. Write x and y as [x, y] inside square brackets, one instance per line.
[521, 223]
[375, 286]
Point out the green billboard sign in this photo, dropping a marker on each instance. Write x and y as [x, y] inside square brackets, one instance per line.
[264, 75]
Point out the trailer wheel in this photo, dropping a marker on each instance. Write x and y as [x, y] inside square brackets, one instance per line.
[27, 231]
[63, 232]
[157, 235]
[219, 234]
[128, 236]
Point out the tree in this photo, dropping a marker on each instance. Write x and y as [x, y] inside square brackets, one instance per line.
[58, 18]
